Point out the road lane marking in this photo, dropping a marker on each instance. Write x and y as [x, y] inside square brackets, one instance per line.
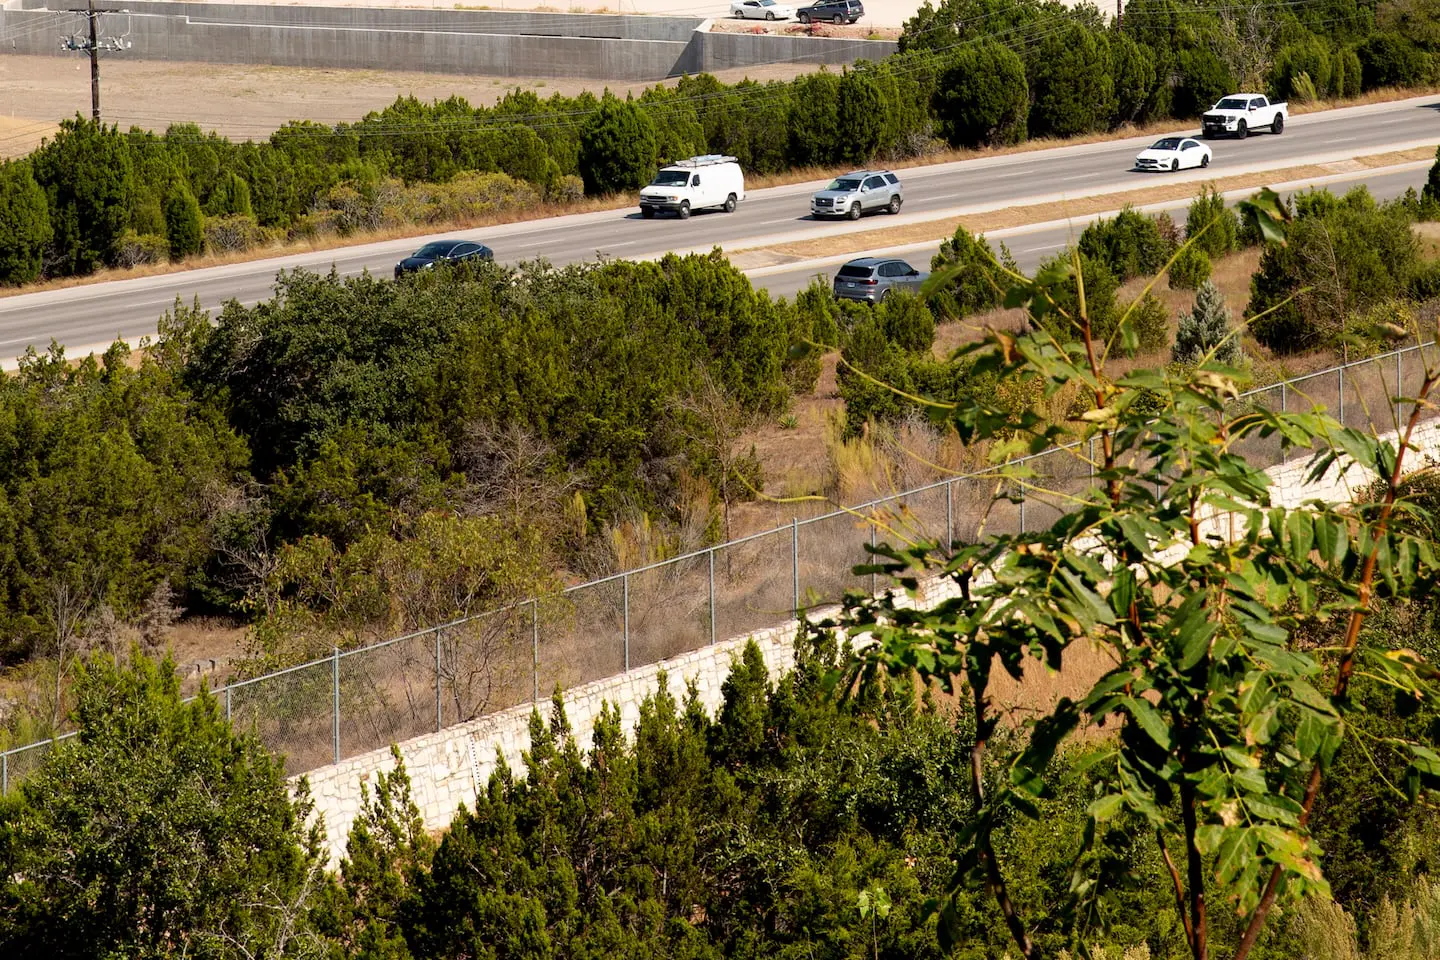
[1342, 139]
[1048, 246]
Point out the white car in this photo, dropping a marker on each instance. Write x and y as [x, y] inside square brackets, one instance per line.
[760, 10]
[1173, 153]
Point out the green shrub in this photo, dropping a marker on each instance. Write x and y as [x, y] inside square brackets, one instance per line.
[183, 224]
[24, 224]
[982, 98]
[1100, 287]
[1390, 60]
[138, 249]
[1221, 226]
[232, 234]
[230, 197]
[87, 173]
[1205, 328]
[1203, 79]
[974, 286]
[618, 148]
[1342, 256]
[1345, 73]
[907, 322]
[1072, 90]
[1133, 67]
[1130, 244]
[1149, 324]
[1309, 58]
[1190, 269]
[814, 122]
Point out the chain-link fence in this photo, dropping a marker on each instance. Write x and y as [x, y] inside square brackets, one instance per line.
[354, 701]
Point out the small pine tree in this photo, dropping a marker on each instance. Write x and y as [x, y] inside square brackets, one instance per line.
[24, 224]
[1432, 185]
[1207, 327]
[973, 281]
[1190, 269]
[183, 224]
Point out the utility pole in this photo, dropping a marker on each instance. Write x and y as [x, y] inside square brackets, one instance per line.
[93, 45]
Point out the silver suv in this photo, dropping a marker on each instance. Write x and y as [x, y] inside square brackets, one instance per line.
[872, 278]
[860, 192]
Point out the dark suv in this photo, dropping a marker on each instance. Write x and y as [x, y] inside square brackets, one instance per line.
[832, 11]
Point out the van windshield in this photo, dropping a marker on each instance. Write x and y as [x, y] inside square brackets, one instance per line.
[844, 186]
[671, 178]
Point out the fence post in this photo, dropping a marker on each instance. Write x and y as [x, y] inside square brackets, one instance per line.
[872, 556]
[1090, 457]
[1022, 511]
[439, 707]
[1284, 448]
[1399, 388]
[227, 703]
[535, 649]
[711, 555]
[1340, 372]
[4, 773]
[335, 703]
[795, 565]
[949, 516]
[625, 583]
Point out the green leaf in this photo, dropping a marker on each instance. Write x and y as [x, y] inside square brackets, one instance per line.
[1149, 720]
[1103, 808]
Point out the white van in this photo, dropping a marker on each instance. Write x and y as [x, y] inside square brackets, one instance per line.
[695, 184]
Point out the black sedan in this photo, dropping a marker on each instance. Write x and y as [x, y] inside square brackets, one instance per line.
[442, 251]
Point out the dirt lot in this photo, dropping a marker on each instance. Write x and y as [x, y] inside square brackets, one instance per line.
[246, 101]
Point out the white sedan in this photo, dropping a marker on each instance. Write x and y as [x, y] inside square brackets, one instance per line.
[760, 10]
[1173, 153]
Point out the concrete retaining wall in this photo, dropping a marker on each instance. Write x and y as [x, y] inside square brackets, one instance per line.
[447, 767]
[483, 42]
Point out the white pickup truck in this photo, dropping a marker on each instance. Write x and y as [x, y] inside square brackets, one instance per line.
[1241, 114]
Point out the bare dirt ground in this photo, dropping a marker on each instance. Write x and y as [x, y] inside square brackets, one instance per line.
[247, 102]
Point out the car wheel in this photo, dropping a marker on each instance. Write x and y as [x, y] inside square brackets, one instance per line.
[894, 204]
[884, 294]
[854, 213]
[1174, 164]
[1242, 130]
[647, 212]
[804, 18]
[1205, 160]
[839, 19]
[769, 16]
[1278, 127]
[730, 203]
[685, 210]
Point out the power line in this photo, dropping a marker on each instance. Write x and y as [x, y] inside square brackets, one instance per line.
[93, 45]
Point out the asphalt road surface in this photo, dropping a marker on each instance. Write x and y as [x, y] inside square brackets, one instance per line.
[89, 316]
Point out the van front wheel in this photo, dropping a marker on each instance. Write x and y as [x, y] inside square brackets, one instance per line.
[685, 210]
[730, 203]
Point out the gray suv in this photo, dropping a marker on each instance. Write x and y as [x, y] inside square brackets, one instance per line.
[872, 279]
[860, 192]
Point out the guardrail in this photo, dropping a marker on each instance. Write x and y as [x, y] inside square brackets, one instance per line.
[354, 701]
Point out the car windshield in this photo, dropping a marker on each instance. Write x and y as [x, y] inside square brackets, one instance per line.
[437, 249]
[671, 178]
[1168, 143]
[843, 185]
[849, 270]
[1232, 103]
[767, 3]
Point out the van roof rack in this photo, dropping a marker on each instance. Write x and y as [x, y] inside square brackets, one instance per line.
[710, 159]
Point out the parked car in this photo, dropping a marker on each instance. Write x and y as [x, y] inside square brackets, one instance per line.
[872, 279]
[1240, 114]
[832, 11]
[442, 251]
[760, 10]
[1173, 153]
[857, 193]
[695, 184]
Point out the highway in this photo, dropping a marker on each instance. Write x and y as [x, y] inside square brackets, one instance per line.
[87, 317]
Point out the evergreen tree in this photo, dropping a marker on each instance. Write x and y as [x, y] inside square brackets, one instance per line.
[1207, 327]
[24, 224]
[86, 174]
[1431, 192]
[982, 98]
[972, 278]
[618, 148]
[157, 832]
[184, 226]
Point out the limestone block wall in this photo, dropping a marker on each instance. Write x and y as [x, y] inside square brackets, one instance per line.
[446, 768]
